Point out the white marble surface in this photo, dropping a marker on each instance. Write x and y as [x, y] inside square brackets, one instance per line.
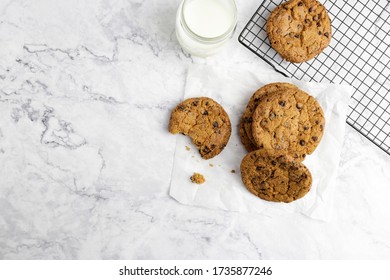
[86, 89]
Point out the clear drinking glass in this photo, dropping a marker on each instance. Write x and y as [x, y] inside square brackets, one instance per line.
[204, 26]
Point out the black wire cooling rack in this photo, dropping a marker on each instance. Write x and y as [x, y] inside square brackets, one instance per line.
[359, 55]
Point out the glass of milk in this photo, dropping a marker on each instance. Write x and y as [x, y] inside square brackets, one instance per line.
[204, 26]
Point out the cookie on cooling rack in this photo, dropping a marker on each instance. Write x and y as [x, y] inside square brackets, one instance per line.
[299, 29]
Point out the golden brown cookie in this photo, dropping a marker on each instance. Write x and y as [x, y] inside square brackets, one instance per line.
[205, 121]
[246, 119]
[299, 29]
[291, 121]
[275, 177]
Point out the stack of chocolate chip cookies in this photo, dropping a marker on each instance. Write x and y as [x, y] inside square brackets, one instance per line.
[280, 126]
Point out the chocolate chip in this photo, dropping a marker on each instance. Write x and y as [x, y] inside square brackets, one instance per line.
[297, 36]
[299, 26]
[181, 108]
[258, 168]
[294, 167]
[321, 127]
[257, 99]
[215, 124]
[319, 33]
[302, 142]
[300, 4]
[207, 103]
[222, 146]
[307, 21]
[212, 146]
[273, 163]
[299, 106]
[206, 150]
[310, 9]
[281, 158]
[272, 174]
[314, 138]
[289, 17]
[195, 103]
[282, 103]
[326, 34]
[272, 116]
[205, 113]
[317, 122]
[291, 34]
[318, 24]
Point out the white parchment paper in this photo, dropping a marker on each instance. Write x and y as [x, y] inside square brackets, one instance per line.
[223, 188]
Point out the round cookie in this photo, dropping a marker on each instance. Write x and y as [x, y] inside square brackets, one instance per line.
[299, 29]
[266, 90]
[248, 144]
[205, 122]
[291, 121]
[275, 177]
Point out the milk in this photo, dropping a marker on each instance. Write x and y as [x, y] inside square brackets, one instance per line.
[208, 18]
[204, 26]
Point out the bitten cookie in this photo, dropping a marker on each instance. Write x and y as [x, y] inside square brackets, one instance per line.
[275, 177]
[246, 119]
[299, 29]
[205, 121]
[291, 121]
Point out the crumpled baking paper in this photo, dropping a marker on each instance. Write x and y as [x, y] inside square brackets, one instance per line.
[223, 188]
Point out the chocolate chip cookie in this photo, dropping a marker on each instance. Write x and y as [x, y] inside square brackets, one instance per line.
[205, 121]
[246, 119]
[299, 29]
[291, 121]
[275, 177]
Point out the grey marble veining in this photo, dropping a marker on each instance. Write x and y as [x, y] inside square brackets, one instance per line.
[86, 89]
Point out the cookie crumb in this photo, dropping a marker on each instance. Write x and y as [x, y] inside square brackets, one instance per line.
[211, 165]
[197, 178]
[233, 171]
[188, 148]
